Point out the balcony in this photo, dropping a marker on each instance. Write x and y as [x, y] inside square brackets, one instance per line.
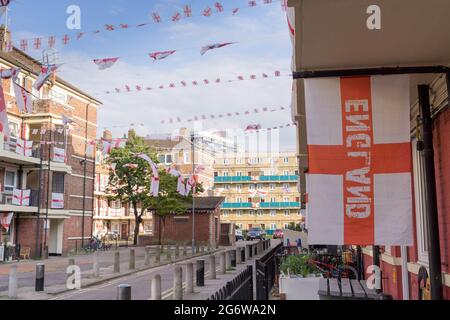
[236, 205]
[6, 202]
[8, 153]
[279, 205]
[279, 178]
[233, 179]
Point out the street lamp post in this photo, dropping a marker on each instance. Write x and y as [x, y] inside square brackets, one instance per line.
[193, 192]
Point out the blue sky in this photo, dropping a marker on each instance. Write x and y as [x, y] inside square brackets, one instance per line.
[263, 45]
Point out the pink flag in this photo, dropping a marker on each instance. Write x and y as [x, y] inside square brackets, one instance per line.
[46, 72]
[6, 220]
[218, 6]
[105, 63]
[161, 54]
[214, 46]
[187, 11]
[4, 124]
[207, 12]
[176, 17]
[156, 17]
[252, 127]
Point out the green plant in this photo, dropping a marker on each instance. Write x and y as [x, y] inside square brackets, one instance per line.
[298, 265]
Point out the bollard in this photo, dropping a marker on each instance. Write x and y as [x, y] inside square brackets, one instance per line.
[158, 255]
[177, 251]
[132, 262]
[243, 254]
[116, 262]
[223, 267]
[178, 283]
[40, 275]
[238, 255]
[247, 252]
[96, 265]
[212, 267]
[228, 259]
[147, 256]
[189, 277]
[200, 271]
[12, 285]
[70, 263]
[124, 292]
[155, 293]
[233, 255]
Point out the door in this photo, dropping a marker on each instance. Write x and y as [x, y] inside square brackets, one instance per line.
[124, 231]
[55, 236]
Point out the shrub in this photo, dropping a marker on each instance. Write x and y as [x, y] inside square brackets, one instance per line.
[298, 265]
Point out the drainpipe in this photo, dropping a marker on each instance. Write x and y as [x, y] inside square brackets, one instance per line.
[405, 282]
[84, 174]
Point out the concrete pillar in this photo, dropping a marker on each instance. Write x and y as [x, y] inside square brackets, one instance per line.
[202, 249]
[223, 263]
[238, 255]
[189, 277]
[96, 265]
[132, 262]
[177, 251]
[116, 262]
[40, 277]
[71, 262]
[184, 250]
[168, 255]
[200, 272]
[228, 259]
[197, 249]
[124, 292]
[247, 252]
[178, 283]
[156, 287]
[147, 256]
[212, 267]
[12, 285]
[158, 255]
[255, 249]
[243, 254]
[233, 256]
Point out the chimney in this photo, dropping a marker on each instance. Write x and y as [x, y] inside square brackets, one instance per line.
[107, 135]
[5, 36]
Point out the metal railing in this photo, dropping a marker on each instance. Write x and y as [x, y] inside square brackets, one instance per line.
[266, 272]
[240, 288]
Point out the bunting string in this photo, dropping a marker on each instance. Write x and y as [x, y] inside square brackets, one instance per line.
[39, 43]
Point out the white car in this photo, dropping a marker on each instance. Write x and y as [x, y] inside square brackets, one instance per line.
[238, 234]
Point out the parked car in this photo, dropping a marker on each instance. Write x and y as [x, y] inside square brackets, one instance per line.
[278, 234]
[239, 235]
[256, 233]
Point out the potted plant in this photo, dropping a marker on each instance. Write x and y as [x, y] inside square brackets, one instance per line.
[299, 279]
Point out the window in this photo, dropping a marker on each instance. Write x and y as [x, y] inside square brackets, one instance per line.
[239, 161]
[286, 186]
[240, 225]
[226, 161]
[239, 200]
[272, 199]
[285, 160]
[286, 199]
[259, 186]
[239, 187]
[286, 172]
[251, 187]
[162, 158]
[260, 213]
[225, 174]
[58, 182]
[10, 181]
[286, 225]
[225, 213]
[273, 226]
[286, 213]
[116, 204]
[216, 174]
[238, 213]
[168, 158]
[273, 213]
[272, 186]
[226, 187]
[420, 203]
[186, 157]
[239, 173]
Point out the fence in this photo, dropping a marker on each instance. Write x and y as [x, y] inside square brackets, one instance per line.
[266, 271]
[240, 288]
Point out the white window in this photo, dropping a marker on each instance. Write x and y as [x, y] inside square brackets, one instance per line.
[260, 213]
[420, 203]
[273, 226]
[273, 213]
[240, 225]
[239, 173]
[259, 186]
[286, 213]
[225, 213]
[226, 187]
[285, 160]
[272, 199]
[238, 213]
[286, 172]
[286, 186]
[251, 187]
[239, 200]
[10, 180]
[239, 187]
[169, 159]
[116, 204]
[58, 95]
[239, 161]
[225, 174]
[286, 225]
[272, 186]
[186, 157]
[286, 199]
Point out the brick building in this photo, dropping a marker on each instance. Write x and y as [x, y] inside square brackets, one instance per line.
[178, 228]
[351, 46]
[58, 174]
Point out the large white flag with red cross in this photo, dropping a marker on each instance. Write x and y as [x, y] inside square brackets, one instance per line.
[359, 177]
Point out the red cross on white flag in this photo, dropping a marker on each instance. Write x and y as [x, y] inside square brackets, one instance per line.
[187, 11]
[219, 7]
[359, 149]
[21, 197]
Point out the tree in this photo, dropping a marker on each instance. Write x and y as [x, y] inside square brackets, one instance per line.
[130, 178]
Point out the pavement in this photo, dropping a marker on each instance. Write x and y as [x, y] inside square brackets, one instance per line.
[55, 272]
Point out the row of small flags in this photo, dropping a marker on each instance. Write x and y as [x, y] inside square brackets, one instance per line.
[187, 12]
[224, 115]
[195, 83]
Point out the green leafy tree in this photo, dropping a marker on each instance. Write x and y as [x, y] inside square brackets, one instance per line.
[131, 184]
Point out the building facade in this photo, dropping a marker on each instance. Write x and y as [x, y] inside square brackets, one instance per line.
[46, 192]
[399, 265]
[259, 190]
